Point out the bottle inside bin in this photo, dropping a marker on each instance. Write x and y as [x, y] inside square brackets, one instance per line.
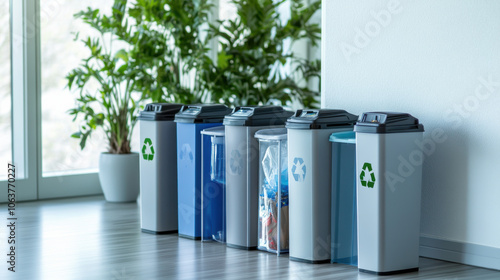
[217, 166]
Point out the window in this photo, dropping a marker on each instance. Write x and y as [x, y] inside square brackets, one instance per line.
[227, 10]
[60, 153]
[5, 90]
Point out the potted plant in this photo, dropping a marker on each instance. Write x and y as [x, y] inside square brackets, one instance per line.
[107, 100]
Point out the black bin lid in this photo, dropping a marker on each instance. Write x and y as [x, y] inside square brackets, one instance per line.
[321, 119]
[159, 112]
[202, 113]
[257, 116]
[387, 122]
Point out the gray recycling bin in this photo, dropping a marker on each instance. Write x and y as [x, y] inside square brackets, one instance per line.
[158, 168]
[213, 185]
[344, 216]
[242, 170]
[273, 190]
[309, 165]
[389, 182]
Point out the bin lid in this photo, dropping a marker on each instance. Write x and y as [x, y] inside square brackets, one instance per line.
[214, 131]
[159, 112]
[387, 122]
[257, 116]
[202, 113]
[271, 134]
[321, 119]
[348, 137]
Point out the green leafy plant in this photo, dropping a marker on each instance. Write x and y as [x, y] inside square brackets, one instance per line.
[163, 57]
[255, 62]
[169, 45]
[160, 46]
[106, 80]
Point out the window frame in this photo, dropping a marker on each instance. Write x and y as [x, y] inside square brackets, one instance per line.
[23, 101]
[26, 115]
[70, 184]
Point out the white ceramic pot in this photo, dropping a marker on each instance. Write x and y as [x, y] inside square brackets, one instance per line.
[119, 176]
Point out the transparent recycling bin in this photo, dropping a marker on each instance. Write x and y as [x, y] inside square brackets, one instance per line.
[273, 190]
[191, 120]
[158, 168]
[344, 215]
[389, 183]
[242, 171]
[213, 180]
[310, 165]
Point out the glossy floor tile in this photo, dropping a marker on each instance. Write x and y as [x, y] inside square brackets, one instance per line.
[89, 238]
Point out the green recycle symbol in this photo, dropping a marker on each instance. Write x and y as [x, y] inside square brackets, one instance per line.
[146, 156]
[367, 170]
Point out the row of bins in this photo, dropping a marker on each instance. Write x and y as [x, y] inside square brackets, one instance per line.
[313, 183]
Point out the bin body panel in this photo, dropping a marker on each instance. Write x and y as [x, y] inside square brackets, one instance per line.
[213, 199]
[242, 186]
[189, 177]
[389, 212]
[159, 178]
[344, 216]
[309, 165]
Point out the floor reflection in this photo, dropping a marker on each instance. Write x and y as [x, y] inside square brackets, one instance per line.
[71, 237]
[89, 238]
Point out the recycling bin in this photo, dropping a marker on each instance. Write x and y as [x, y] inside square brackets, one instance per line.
[344, 216]
[389, 182]
[191, 120]
[242, 170]
[310, 165]
[213, 182]
[273, 190]
[158, 168]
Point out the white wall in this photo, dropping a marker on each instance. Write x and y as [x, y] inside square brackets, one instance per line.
[431, 59]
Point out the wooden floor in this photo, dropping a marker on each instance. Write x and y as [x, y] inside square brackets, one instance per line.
[88, 238]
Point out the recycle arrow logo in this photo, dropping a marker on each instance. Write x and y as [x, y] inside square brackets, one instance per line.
[148, 152]
[367, 176]
[299, 170]
[186, 153]
[236, 162]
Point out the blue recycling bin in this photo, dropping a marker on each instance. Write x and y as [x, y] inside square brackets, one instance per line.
[191, 120]
[213, 184]
[344, 219]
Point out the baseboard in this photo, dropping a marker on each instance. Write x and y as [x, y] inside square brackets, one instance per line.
[460, 252]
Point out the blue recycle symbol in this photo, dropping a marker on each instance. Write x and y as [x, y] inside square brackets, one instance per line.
[186, 153]
[299, 169]
[236, 162]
